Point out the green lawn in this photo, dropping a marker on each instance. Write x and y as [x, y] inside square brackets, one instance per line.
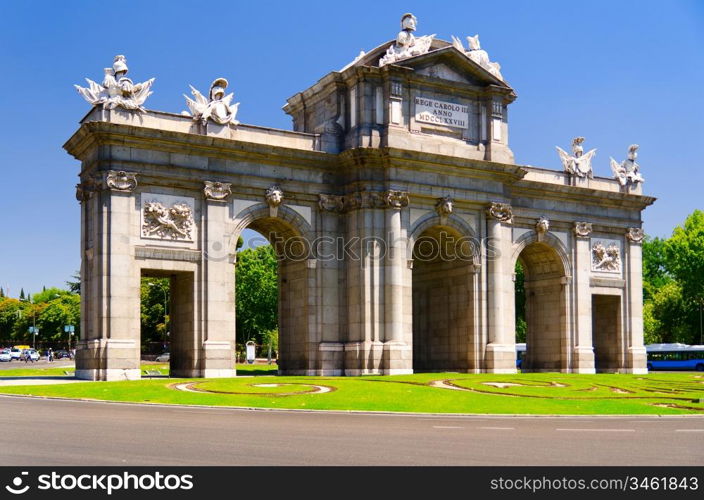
[544, 393]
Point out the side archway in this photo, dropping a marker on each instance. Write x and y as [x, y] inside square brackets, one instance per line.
[444, 290]
[290, 236]
[547, 271]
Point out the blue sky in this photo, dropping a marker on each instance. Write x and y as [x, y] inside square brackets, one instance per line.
[616, 72]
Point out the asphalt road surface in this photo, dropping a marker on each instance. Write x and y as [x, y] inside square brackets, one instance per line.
[96, 433]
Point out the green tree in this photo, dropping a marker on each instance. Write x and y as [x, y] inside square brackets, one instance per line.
[655, 273]
[155, 294]
[21, 293]
[685, 255]
[74, 284]
[256, 289]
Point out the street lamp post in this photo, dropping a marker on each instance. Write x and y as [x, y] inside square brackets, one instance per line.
[70, 329]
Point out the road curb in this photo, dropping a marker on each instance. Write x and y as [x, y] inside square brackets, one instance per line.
[351, 412]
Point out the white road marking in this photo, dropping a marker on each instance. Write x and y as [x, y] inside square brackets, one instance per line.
[446, 427]
[689, 430]
[597, 430]
[498, 428]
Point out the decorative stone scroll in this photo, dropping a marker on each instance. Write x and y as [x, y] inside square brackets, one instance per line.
[166, 221]
[635, 234]
[582, 229]
[407, 45]
[606, 256]
[86, 188]
[331, 203]
[362, 199]
[501, 212]
[119, 180]
[117, 90]
[217, 191]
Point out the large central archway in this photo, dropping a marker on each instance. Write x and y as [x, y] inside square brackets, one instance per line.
[547, 337]
[444, 299]
[288, 234]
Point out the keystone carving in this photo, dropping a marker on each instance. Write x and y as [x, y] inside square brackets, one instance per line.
[444, 206]
[542, 226]
[274, 196]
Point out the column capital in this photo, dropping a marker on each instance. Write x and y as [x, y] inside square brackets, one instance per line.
[582, 229]
[635, 235]
[217, 191]
[500, 211]
[119, 180]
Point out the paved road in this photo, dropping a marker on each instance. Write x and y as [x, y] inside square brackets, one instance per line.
[94, 433]
[42, 363]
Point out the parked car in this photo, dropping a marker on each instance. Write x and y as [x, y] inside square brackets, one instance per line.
[15, 352]
[33, 354]
[163, 357]
[5, 355]
[61, 353]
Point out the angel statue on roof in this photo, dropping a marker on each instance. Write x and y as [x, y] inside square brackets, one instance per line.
[628, 171]
[217, 107]
[580, 163]
[116, 89]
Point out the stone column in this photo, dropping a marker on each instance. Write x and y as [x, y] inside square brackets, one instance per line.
[397, 353]
[110, 347]
[501, 349]
[216, 356]
[636, 358]
[583, 353]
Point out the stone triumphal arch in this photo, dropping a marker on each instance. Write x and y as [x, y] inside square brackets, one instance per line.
[395, 208]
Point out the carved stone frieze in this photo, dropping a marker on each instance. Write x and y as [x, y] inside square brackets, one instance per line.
[119, 180]
[635, 234]
[500, 211]
[217, 191]
[606, 256]
[582, 229]
[173, 222]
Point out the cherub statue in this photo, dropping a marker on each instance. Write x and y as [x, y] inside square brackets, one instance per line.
[476, 54]
[606, 258]
[628, 171]
[217, 107]
[581, 163]
[117, 90]
[407, 45]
